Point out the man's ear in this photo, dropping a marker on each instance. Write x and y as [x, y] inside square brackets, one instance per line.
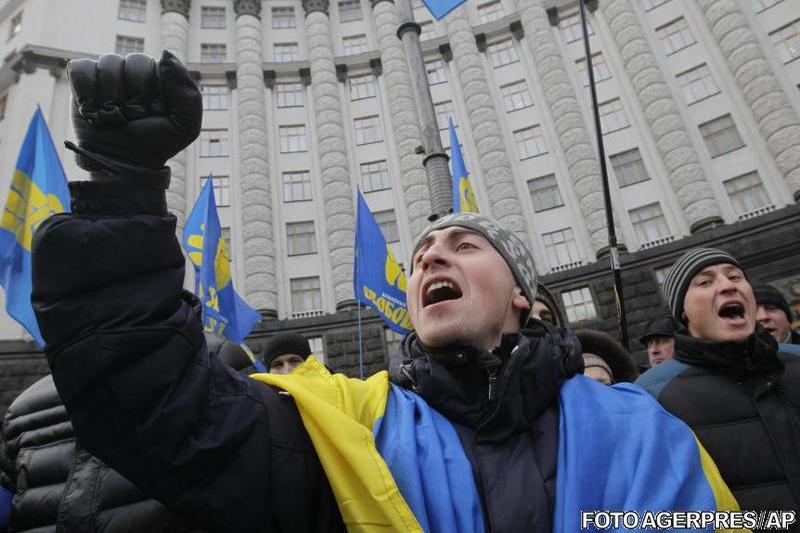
[519, 301]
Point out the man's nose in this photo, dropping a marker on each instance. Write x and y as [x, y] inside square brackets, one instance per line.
[434, 255]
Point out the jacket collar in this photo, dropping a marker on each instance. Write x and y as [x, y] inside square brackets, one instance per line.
[496, 393]
[758, 353]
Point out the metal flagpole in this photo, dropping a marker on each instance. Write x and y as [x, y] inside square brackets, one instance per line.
[360, 347]
[612, 235]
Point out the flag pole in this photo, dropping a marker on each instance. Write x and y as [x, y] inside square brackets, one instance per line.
[360, 347]
[612, 235]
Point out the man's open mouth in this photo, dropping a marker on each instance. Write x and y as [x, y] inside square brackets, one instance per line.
[440, 291]
[732, 311]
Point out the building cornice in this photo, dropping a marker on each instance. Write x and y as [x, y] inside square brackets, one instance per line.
[247, 7]
[176, 6]
[31, 58]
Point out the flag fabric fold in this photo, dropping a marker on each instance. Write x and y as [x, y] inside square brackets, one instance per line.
[225, 313]
[38, 190]
[463, 195]
[378, 280]
[440, 8]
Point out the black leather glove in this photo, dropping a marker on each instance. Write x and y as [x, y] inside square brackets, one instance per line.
[132, 114]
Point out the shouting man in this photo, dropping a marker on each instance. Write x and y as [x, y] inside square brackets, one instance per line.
[484, 426]
[730, 383]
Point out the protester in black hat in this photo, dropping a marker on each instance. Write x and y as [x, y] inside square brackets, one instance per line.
[604, 359]
[774, 314]
[284, 352]
[730, 382]
[546, 308]
[467, 436]
[659, 339]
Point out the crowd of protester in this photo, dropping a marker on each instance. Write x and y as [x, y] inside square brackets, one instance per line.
[485, 420]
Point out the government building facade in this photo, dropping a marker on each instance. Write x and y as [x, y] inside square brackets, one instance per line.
[307, 101]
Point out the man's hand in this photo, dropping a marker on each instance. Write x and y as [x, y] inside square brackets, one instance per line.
[132, 114]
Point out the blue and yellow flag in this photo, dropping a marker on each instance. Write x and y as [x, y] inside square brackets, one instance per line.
[378, 280]
[224, 311]
[38, 190]
[463, 195]
[440, 8]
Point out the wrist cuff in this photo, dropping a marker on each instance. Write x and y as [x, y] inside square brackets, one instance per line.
[116, 197]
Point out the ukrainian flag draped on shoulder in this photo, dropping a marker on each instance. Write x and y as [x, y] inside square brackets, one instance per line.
[394, 464]
[463, 195]
[608, 463]
[38, 190]
[225, 313]
[378, 280]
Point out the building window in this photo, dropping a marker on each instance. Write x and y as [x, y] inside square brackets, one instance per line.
[571, 25]
[612, 116]
[578, 304]
[675, 36]
[661, 275]
[721, 136]
[437, 73]
[697, 84]
[651, 4]
[213, 53]
[292, 138]
[283, 17]
[761, 5]
[388, 224]
[317, 348]
[214, 143]
[362, 87]
[544, 193]
[290, 94]
[629, 167]
[285, 52]
[3, 102]
[490, 11]
[133, 10]
[516, 96]
[649, 223]
[599, 68]
[443, 112]
[222, 189]
[350, 10]
[212, 17]
[306, 294]
[300, 238]
[297, 186]
[368, 129]
[503, 53]
[215, 97]
[129, 45]
[561, 247]
[355, 44]
[392, 340]
[427, 30]
[787, 41]
[374, 176]
[747, 193]
[530, 142]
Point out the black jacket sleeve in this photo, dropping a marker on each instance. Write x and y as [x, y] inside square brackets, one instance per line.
[130, 362]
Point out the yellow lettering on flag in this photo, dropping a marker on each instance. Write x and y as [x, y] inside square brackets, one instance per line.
[394, 274]
[27, 207]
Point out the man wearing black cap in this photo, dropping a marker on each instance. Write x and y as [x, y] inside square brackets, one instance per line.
[659, 339]
[284, 352]
[729, 381]
[467, 436]
[774, 314]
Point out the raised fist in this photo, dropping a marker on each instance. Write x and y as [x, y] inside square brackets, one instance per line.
[132, 114]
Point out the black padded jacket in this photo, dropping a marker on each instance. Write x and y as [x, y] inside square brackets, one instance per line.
[743, 402]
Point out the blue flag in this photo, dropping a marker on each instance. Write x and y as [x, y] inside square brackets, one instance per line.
[38, 190]
[378, 280]
[440, 8]
[463, 195]
[224, 311]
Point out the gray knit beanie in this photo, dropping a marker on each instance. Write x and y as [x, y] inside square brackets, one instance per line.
[677, 280]
[508, 245]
